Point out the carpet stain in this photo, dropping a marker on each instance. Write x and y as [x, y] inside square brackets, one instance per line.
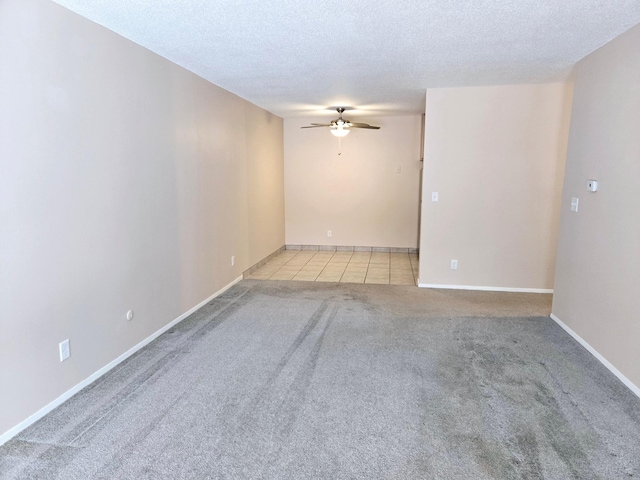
[130, 450]
[559, 433]
[302, 336]
[528, 452]
[257, 428]
[294, 399]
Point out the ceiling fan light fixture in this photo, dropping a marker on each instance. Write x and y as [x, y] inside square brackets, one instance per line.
[340, 131]
[340, 127]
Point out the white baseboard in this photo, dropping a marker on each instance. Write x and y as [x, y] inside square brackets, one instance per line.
[486, 289]
[9, 434]
[634, 388]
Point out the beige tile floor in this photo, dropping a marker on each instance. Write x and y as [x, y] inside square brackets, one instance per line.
[347, 267]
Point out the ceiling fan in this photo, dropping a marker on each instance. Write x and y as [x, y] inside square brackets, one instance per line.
[340, 127]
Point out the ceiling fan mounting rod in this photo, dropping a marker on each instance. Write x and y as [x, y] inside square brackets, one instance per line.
[340, 121]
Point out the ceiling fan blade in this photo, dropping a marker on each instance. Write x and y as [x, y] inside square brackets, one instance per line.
[316, 125]
[364, 125]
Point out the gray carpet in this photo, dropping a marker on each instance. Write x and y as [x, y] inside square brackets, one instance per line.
[296, 380]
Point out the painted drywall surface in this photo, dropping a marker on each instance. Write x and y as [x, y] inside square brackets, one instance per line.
[495, 155]
[597, 274]
[351, 186]
[265, 177]
[126, 183]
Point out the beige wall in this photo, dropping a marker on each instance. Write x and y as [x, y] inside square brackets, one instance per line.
[598, 271]
[495, 155]
[126, 182]
[357, 195]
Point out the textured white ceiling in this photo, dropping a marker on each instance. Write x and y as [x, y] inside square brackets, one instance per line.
[297, 57]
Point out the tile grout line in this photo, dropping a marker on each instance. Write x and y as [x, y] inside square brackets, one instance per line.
[305, 266]
[323, 268]
[326, 265]
[287, 263]
[345, 268]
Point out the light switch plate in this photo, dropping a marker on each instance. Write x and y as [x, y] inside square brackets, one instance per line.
[574, 204]
[65, 352]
